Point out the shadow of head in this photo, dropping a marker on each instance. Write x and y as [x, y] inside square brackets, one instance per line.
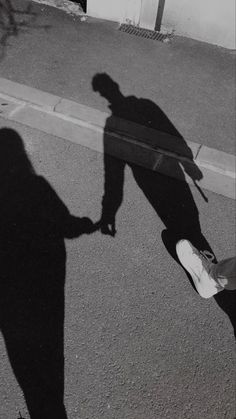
[107, 87]
[144, 112]
[13, 157]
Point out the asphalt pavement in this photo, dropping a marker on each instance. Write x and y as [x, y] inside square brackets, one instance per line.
[139, 342]
[136, 130]
[192, 82]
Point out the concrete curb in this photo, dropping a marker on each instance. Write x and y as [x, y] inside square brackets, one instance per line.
[129, 141]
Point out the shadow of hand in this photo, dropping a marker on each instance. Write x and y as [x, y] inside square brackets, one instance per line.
[106, 227]
[192, 170]
[76, 226]
[88, 226]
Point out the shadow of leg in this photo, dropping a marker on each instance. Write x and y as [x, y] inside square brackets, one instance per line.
[226, 300]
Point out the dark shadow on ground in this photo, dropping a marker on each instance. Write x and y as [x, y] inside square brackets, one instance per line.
[33, 225]
[171, 199]
[226, 300]
[15, 20]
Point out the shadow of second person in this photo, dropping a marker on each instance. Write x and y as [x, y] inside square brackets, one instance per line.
[33, 225]
[172, 200]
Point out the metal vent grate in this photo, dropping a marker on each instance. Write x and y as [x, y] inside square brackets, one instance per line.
[144, 33]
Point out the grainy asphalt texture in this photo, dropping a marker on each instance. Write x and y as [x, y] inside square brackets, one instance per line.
[139, 342]
[192, 82]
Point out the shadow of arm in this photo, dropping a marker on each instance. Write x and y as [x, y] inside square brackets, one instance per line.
[57, 216]
[76, 226]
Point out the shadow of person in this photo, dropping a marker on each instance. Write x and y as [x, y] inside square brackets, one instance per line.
[171, 199]
[33, 225]
[226, 300]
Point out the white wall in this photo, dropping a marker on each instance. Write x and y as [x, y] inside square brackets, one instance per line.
[136, 12]
[210, 21]
[148, 14]
[117, 10]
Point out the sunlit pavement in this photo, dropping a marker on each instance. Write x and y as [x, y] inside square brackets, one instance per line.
[139, 342]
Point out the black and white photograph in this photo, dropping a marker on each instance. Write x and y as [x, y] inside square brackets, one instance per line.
[117, 209]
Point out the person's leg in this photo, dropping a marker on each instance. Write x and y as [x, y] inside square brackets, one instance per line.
[199, 265]
[224, 272]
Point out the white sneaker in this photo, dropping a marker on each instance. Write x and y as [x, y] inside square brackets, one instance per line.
[198, 265]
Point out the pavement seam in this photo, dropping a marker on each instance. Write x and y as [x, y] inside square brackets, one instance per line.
[127, 138]
[198, 151]
[97, 128]
[17, 109]
[10, 98]
[56, 104]
[58, 100]
[218, 166]
[124, 136]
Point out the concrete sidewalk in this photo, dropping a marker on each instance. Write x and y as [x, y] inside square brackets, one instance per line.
[192, 82]
[135, 143]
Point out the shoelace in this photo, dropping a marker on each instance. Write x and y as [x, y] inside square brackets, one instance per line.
[207, 255]
[210, 257]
